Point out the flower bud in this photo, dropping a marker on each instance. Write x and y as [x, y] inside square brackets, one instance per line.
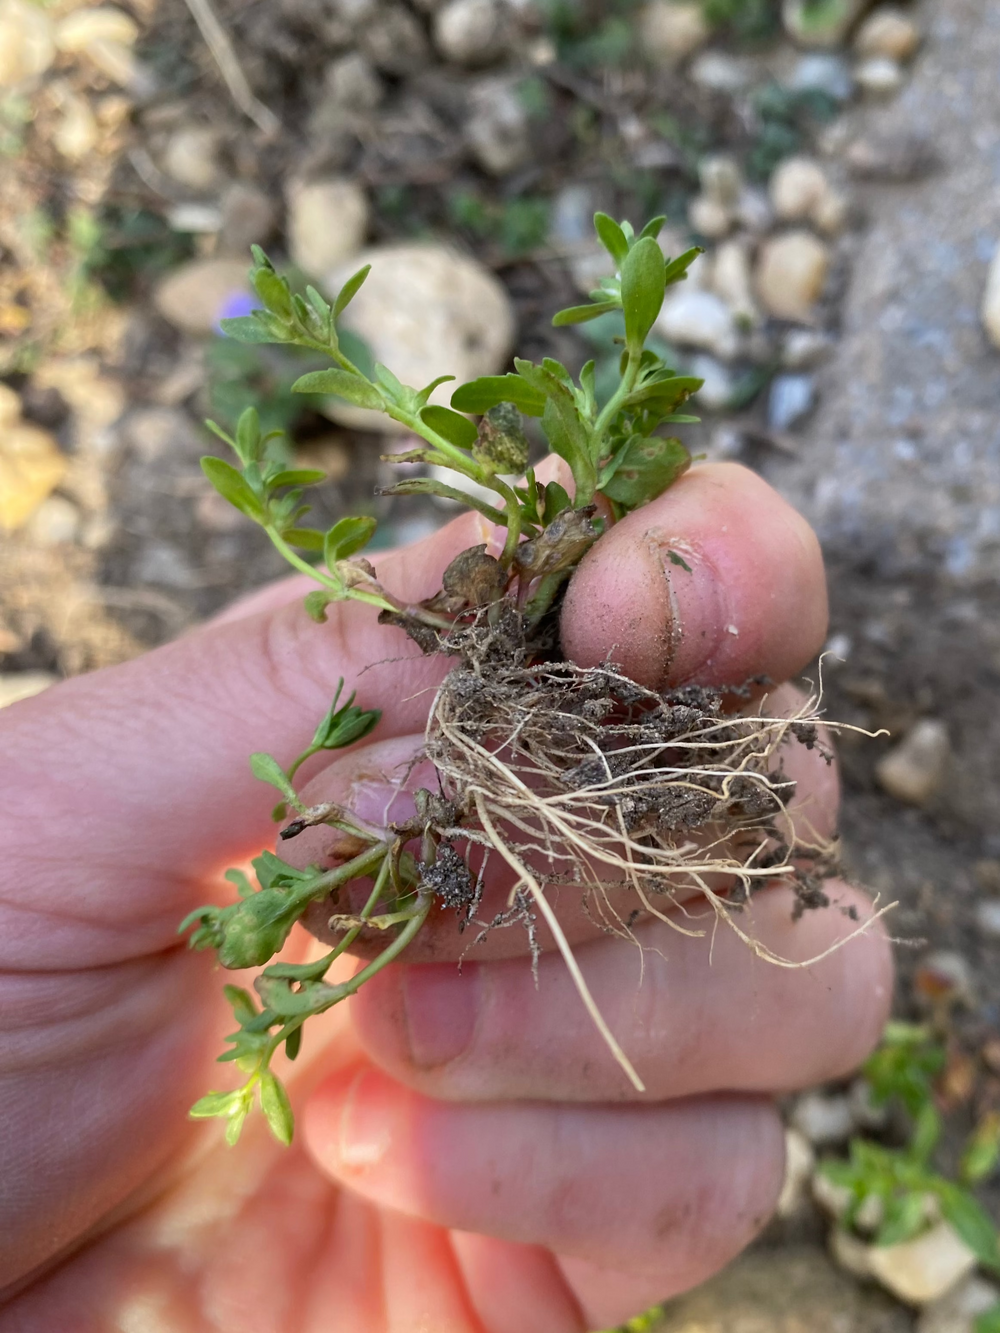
[502, 445]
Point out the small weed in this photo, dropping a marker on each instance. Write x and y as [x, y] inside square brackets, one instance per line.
[132, 246]
[516, 226]
[745, 20]
[897, 1192]
[785, 119]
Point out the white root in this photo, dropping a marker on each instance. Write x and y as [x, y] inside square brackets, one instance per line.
[696, 810]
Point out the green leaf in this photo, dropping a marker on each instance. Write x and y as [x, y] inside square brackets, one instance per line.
[664, 394]
[394, 387]
[235, 1126]
[248, 442]
[452, 426]
[430, 486]
[988, 1322]
[247, 329]
[240, 882]
[276, 1107]
[297, 477]
[423, 396]
[478, 396]
[347, 537]
[216, 429]
[643, 280]
[648, 465]
[905, 1217]
[217, 1103]
[653, 227]
[315, 604]
[309, 539]
[556, 500]
[344, 385]
[972, 1223]
[318, 303]
[580, 314]
[267, 769]
[611, 237]
[677, 269]
[232, 486]
[293, 1043]
[350, 290]
[272, 290]
[242, 1002]
[982, 1152]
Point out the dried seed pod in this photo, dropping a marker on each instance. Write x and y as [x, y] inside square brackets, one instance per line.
[502, 445]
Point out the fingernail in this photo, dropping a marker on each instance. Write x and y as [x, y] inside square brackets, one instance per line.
[698, 604]
[366, 1124]
[442, 1007]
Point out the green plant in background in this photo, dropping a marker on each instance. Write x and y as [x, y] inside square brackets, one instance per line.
[587, 36]
[896, 1192]
[129, 246]
[612, 450]
[515, 226]
[746, 20]
[785, 118]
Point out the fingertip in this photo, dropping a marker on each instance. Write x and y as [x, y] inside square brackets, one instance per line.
[718, 580]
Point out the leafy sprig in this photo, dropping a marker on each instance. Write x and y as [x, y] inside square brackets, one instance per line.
[900, 1186]
[612, 448]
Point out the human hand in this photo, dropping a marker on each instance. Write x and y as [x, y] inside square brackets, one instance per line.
[470, 1159]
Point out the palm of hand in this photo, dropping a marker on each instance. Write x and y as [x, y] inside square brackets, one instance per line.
[498, 1176]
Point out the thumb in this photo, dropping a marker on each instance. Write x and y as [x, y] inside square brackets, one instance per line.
[718, 581]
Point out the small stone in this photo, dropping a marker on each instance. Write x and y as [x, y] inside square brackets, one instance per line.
[800, 1161]
[327, 221]
[797, 185]
[823, 25]
[469, 32]
[905, 156]
[54, 522]
[834, 1199]
[753, 211]
[832, 212]
[850, 1253]
[925, 1269]
[394, 41]
[824, 73]
[191, 157]
[116, 62]
[721, 179]
[195, 219]
[791, 274]
[958, 1311]
[497, 128]
[27, 47]
[879, 77]
[248, 218]
[791, 399]
[694, 318]
[991, 301]
[732, 279]
[669, 32]
[709, 218]
[944, 977]
[31, 465]
[83, 27]
[588, 266]
[986, 873]
[571, 224]
[915, 770]
[426, 311]
[823, 1120]
[890, 33]
[988, 918]
[352, 84]
[803, 349]
[77, 131]
[167, 564]
[194, 296]
[719, 73]
[716, 393]
[18, 685]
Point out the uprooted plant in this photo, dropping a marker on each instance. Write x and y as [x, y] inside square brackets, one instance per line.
[570, 776]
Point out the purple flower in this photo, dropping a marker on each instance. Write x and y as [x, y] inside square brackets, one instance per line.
[236, 305]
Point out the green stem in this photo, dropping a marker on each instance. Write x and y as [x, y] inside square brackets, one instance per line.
[613, 405]
[513, 521]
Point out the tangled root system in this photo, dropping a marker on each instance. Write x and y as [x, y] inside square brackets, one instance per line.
[579, 776]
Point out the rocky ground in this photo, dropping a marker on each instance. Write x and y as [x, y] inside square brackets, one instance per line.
[840, 166]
